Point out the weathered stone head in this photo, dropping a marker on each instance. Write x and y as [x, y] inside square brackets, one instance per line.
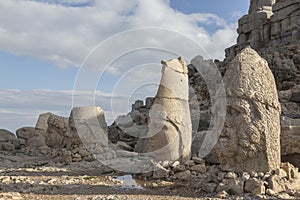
[250, 140]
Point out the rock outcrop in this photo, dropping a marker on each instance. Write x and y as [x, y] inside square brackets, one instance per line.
[250, 139]
[170, 129]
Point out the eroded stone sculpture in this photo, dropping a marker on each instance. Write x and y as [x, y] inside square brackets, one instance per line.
[170, 129]
[250, 139]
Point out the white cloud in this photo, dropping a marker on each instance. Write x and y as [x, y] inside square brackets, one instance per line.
[65, 35]
[21, 108]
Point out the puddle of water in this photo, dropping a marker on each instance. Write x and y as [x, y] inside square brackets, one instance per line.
[128, 182]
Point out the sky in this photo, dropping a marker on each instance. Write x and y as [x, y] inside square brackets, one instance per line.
[56, 54]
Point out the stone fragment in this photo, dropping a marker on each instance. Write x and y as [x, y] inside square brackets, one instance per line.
[222, 195]
[170, 128]
[5, 135]
[189, 163]
[290, 170]
[90, 125]
[232, 186]
[250, 140]
[198, 160]
[183, 175]
[42, 123]
[124, 121]
[160, 172]
[276, 183]
[199, 168]
[209, 187]
[124, 146]
[255, 186]
[230, 175]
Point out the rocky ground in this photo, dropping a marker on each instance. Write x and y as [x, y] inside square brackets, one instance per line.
[25, 176]
[42, 177]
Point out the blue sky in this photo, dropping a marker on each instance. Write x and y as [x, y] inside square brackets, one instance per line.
[44, 42]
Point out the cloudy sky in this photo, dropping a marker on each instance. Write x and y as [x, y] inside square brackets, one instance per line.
[55, 54]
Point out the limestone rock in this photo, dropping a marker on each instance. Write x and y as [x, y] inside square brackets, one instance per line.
[58, 134]
[232, 186]
[170, 129]
[183, 175]
[160, 172]
[32, 137]
[42, 123]
[250, 140]
[88, 123]
[255, 186]
[5, 135]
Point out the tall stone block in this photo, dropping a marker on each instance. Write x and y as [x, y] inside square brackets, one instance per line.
[170, 128]
[250, 140]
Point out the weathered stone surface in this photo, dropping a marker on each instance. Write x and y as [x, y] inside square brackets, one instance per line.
[32, 137]
[90, 125]
[250, 139]
[184, 175]
[161, 172]
[42, 123]
[232, 186]
[5, 135]
[170, 129]
[58, 134]
[255, 186]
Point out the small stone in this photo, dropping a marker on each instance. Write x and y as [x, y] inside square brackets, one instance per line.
[284, 196]
[290, 170]
[230, 175]
[183, 175]
[161, 172]
[83, 153]
[199, 168]
[222, 195]
[261, 174]
[255, 186]
[281, 173]
[235, 186]
[245, 176]
[253, 174]
[221, 176]
[165, 164]
[270, 192]
[198, 160]
[189, 163]
[276, 183]
[209, 187]
[124, 146]
[175, 164]
[179, 168]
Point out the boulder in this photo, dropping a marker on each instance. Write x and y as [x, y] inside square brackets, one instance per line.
[250, 140]
[58, 133]
[89, 124]
[5, 135]
[32, 137]
[42, 123]
[255, 186]
[170, 128]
